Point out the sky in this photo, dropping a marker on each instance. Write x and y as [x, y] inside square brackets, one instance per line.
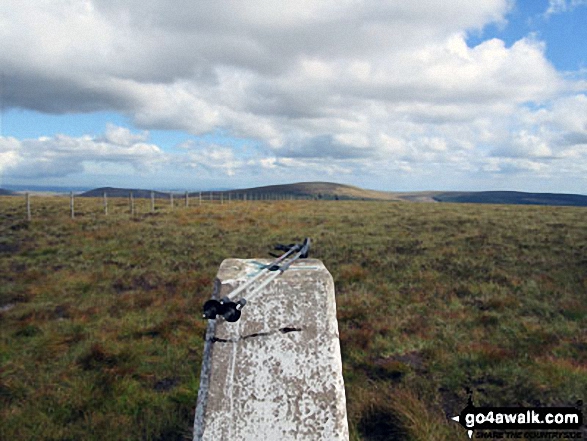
[386, 95]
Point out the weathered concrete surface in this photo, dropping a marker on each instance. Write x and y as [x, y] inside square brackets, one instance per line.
[276, 374]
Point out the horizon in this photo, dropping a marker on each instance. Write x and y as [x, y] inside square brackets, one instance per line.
[82, 189]
[402, 97]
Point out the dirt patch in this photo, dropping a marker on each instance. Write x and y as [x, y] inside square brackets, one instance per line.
[165, 384]
[19, 226]
[142, 282]
[380, 424]
[8, 248]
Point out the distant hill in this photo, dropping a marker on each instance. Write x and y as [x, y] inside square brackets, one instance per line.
[333, 191]
[319, 190]
[122, 193]
[512, 197]
[4, 192]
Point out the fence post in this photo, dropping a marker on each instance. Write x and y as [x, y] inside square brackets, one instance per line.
[187, 199]
[71, 205]
[152, 202]
[221, 198]
[200, 196]
[105, 204]
[132, 204]
[171, 199]
[229, 198]
[28, 206]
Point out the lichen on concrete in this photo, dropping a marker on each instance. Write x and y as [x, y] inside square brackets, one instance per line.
[276, 374]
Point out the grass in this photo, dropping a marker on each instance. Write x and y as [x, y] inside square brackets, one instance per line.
[100, 335]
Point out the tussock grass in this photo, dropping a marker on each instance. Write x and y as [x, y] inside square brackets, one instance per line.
[100, 336]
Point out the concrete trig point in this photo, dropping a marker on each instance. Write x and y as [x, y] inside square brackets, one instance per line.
[275, 374]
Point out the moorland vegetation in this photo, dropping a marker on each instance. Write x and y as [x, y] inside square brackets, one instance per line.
[101, 336]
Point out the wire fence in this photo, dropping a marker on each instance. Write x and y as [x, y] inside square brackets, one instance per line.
[148, 202]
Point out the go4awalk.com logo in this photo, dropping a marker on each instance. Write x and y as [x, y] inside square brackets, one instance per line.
[522, 422]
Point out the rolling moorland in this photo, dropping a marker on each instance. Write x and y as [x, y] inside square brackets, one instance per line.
[301, 190]
[101, 335]
[333, 191]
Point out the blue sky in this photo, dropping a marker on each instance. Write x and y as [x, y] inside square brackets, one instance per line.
[563, 30]
[398, 96]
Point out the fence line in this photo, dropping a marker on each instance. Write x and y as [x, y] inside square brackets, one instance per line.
[28, 207]
[221, 198]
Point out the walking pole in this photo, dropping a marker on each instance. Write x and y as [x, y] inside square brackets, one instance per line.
[230, 310]
[283, 268]
[273, 266]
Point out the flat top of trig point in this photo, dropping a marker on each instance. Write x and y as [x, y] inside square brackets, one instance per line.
[276, 374]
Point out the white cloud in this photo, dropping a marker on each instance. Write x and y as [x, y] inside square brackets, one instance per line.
[123, 136]
[213, 158]
[512, 165]
[63, 155]
[569, 114]
[9, 153]
[348, 86]
[526, 145]
[560, 6]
